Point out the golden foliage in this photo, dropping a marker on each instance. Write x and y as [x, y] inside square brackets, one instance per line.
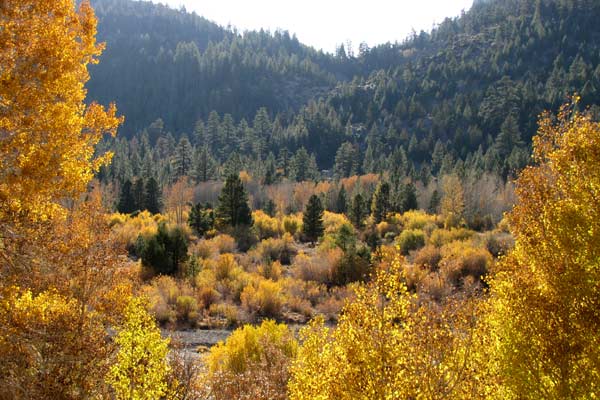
[266, 226]
[49, 348]
[141, 366]
[387, 346]
[252, 363]
[47, 133]
[545, 297]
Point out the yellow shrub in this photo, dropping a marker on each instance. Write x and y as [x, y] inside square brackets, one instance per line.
[264, 298]
[187, 308]
[126, 229]
[252, 363]
[292, 224]
[333, 221]
[226, 267]
[440, 237]
[460, 259]
[270, 270]
[384, 227]
[274, 249]
[171, 300]
[417, 219]
[411, 239]
[117, 219]
[266, 226]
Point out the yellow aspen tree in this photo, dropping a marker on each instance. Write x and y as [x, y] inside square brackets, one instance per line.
[453, 201]
[544, 313]
[389, 344]
[361, 358]
[47, 133]
[141, 367]
[48, 349]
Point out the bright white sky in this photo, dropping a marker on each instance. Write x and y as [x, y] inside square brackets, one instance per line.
[325, 24]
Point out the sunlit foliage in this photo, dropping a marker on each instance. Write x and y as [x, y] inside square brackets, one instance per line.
[545, 297]
[47, 133]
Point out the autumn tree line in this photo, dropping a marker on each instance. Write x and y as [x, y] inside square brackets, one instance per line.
[78, 318]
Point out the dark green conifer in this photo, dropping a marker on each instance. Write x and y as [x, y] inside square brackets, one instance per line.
[381, 202]
[233, 209]
[312, 220]
[126, 201]
[152, 199]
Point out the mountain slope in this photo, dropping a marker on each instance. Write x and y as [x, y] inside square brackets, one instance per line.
[167, 63]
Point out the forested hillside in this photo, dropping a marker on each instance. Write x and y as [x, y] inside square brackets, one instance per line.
[468, 92]
[178, 66]
[375, 202]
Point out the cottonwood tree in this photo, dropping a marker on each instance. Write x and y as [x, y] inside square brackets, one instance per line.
[544, 314]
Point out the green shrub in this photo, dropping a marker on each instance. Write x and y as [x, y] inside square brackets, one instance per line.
[410, 239]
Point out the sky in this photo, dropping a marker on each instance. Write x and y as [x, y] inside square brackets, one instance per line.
[325, 24]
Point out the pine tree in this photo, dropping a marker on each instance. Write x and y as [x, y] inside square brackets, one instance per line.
[137, 193]
[227, 136]
[199, 136]
[301, 164]
[284, 161]
[262, 130]
[164, 252]
[183, 158]
[312, 220]
[201, 219]
[212, 131]
[270, 171]
[342, 201]
[381, 202]
[270, 208]
[509, 137]
[233, 209]
[345, 161]
[408, 196]
[357, 210]
[126, 201]
[232, 166]
[205, 165]
[152, 197]
[434, 202]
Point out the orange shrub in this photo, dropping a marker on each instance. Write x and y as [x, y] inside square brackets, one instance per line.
[460, 259]
[428, 257]
[310, 291]
[435, 286]
[202, 249]
[319, 268]
[223, 243]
